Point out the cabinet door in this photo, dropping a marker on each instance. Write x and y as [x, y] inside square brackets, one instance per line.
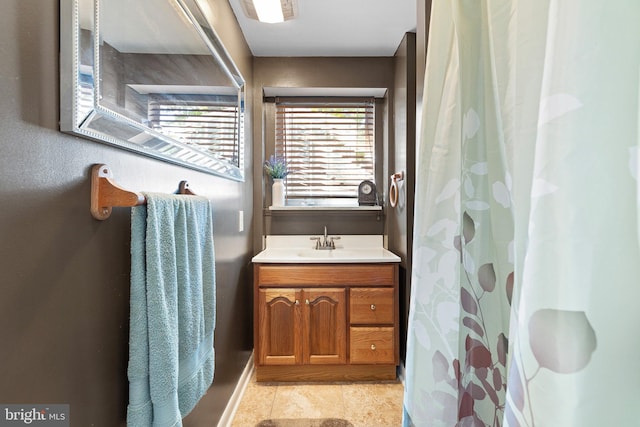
[279, 339]
[325, 331]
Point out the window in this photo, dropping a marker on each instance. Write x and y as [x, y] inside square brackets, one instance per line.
[208, 123]
[330, 146]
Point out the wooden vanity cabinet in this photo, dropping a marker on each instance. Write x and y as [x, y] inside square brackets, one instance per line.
[315, 322]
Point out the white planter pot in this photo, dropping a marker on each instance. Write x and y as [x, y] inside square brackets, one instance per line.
[277, 193]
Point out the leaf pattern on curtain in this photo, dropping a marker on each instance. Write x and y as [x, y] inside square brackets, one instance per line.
[482, 377]
[561, 341]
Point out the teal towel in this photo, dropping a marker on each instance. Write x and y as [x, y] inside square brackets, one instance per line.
[173, 308]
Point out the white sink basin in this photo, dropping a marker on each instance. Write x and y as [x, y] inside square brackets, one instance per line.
[330, 253]
[349, 249]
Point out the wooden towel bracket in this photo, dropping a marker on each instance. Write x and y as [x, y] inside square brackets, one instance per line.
[106, 194]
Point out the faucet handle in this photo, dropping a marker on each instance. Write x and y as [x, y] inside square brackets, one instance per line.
[332, 243]
[317, 239]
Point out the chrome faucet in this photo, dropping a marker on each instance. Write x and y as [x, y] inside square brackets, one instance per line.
[326, 243]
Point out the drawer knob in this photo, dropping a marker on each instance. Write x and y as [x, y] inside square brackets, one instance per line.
[373, 346]
[373, 307]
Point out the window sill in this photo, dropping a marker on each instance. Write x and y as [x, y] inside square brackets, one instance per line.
[324, 208]
[340, 205]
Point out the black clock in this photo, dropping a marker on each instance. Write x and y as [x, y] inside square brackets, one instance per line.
[367, 195]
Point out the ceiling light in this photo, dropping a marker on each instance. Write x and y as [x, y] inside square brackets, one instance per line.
[268, 10]
[271, 11]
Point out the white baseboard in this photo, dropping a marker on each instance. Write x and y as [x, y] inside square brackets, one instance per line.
[236, 397]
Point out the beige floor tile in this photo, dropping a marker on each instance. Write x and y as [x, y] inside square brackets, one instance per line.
[308, 401]
[373, 405]
[256, 405]
[363, 404]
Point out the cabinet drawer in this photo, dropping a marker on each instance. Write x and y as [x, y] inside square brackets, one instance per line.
[369, 306]
[372, 345]
[326, 275]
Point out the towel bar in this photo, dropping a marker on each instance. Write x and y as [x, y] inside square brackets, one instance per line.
[106, 194]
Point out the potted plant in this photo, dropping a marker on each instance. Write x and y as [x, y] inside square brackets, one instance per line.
[277, 169]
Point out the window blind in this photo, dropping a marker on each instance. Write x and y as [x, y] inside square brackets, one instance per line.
[207, 125]
[330, 147]
[85, 99]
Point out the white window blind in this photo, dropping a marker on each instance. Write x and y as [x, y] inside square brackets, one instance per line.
[330, 147]
[210, 126]
[85, 99]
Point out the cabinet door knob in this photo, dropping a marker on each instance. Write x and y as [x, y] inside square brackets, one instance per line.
[306, 301]
[297, 302]
[373, 346]
[373, 307]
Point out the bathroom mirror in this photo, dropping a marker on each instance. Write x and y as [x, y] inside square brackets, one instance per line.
[151, 76]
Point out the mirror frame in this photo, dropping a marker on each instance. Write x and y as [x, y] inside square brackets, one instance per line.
[170, 149]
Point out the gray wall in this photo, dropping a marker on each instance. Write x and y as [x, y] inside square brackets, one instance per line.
[401, 158]
[329, 72]
[64, 276]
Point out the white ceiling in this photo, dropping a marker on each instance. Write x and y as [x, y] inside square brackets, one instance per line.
[332, 28]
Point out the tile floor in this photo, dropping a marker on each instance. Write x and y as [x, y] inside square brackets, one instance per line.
[364, 404]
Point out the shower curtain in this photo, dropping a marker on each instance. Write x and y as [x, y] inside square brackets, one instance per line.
[525, 299]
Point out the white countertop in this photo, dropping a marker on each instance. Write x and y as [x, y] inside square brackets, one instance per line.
[349, 249]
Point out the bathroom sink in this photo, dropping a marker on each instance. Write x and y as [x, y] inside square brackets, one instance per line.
[349, 249]
[333, 253]
[314, 253]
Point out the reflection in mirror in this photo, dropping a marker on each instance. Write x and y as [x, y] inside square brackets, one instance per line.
[151, 76]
